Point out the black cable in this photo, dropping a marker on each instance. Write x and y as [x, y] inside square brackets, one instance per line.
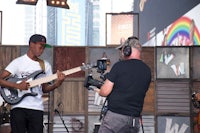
[142, 123]
[104, 110]
[56, 111]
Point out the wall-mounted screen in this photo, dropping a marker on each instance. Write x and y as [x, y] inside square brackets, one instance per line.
[172, 62]
[120, 26]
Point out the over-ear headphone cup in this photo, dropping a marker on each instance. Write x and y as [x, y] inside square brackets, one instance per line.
[127, 50]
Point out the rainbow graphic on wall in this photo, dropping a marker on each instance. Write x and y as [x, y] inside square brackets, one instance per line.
[181, 27]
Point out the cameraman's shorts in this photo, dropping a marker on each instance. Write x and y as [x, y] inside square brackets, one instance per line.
[117, 123]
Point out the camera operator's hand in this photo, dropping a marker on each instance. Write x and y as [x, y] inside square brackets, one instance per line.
[106, 88]
[90, 81]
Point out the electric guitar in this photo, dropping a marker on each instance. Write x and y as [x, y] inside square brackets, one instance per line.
[13, 96]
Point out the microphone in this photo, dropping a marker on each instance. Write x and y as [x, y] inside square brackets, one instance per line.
[56, 111]
[59, 104]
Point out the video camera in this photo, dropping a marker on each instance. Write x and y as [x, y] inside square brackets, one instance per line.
[101, 66]
[90, 81]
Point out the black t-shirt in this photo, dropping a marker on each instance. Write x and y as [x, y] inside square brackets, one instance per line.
[131, 80]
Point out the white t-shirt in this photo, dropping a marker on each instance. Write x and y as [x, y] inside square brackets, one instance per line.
[22, 67]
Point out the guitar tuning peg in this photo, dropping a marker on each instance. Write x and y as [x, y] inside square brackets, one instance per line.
[84, 66]
[88, 66]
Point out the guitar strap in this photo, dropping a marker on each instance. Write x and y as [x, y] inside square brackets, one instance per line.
[41, 64]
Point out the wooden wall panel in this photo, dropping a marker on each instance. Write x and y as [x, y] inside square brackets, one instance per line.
[69, 57]
[7, 54]
[149, 101]
[195, 63]
[147, 56]
[173, 97]
[71, 95]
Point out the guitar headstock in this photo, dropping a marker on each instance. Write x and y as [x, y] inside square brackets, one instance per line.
[87, 66]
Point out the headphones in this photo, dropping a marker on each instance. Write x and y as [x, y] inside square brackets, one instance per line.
[127, 50]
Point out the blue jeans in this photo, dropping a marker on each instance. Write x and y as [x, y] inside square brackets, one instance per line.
[117, 123]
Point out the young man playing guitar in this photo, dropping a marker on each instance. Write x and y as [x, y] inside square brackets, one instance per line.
[26, 116]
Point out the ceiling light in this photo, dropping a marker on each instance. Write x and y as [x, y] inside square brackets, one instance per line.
[28, 2]
[54, 3]
[58, 3]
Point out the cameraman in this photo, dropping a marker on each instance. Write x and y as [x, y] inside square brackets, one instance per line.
[125, 87]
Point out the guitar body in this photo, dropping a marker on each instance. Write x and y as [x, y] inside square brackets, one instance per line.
[13, 95]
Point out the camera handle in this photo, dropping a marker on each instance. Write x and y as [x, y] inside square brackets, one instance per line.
[89, 81]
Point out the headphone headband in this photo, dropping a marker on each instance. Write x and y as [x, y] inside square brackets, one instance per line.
[133, 42]
[129, 43]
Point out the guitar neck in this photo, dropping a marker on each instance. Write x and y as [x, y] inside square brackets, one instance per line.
[47, 79]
